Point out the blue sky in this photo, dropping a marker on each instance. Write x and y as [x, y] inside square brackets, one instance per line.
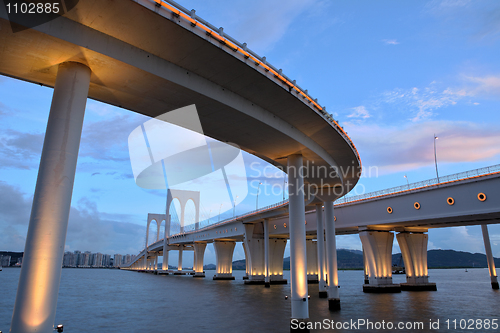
[393, 73]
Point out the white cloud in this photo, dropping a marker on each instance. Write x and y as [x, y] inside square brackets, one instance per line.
[395, 149]
[261, 29]
[422, 103]
[359, 112]
[390, 41]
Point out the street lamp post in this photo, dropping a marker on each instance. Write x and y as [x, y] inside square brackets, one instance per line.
[220, 209]
[284, 182]
[234, 206]
[435, 158]
[257, 201]
[407, 182]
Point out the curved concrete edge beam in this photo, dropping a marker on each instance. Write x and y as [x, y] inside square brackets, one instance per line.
[85, 37]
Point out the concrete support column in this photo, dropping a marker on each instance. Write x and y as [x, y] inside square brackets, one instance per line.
[179, 262]
[224, 260]
[312, 261]
[164, 265]
[331, 258]
[378, 252]
[199, 254]
[414, 250]
[365, 267]
[267, 281]
[298, 259]
[276, 254]
[146, 247]
[36, 299]
[247, 262]
[489, 257]
[155, 267]
[320, 235]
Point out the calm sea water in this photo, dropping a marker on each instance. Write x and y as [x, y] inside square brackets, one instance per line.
[100, 300]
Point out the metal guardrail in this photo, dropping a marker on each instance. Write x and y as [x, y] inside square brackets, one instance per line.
[422, 184]
[219, 34]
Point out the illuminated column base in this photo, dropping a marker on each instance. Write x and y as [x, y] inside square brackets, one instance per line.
[179, 262]
[312, 261]
[255, 255]
[276, 253]
[164, 264]
[489, 257]
[224, 260]
[414, 250]
[199, 254]
[320, 236]
[297, 232]
[331, 258]
[36, 299]
[378, 252]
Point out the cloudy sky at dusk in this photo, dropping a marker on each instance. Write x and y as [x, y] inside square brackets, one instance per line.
[393, 73]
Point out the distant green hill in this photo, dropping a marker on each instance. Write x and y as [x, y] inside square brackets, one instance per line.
[353, 259]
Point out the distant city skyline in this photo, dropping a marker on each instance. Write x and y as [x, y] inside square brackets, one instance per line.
[393, 74]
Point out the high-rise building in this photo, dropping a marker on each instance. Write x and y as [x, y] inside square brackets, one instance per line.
[117, 260]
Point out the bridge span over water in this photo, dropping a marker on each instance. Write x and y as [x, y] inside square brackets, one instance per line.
[152, 57]
[468, 198]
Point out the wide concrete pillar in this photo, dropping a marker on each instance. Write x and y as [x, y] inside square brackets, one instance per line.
[276, 254]
[199, 254]
[297, 230]
[267, 280]
[312, 261]
[489, 257]
[414, 250]
[365, 267]
[378, 252]
[36, 300]
[224, 260]
[331, 258]
[164, 265]
[320, 235]
[179, 261]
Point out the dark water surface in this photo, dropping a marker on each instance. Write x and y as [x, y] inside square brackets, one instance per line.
[101, 300]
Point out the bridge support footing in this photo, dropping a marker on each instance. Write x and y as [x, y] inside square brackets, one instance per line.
[334, 304]
[223, 277]
[383, 288]
[419, 286]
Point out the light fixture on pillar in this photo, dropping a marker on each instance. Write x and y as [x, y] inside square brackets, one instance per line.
[59, 328]
[257, 201]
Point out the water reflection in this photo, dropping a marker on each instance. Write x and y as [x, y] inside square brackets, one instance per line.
[122, 301]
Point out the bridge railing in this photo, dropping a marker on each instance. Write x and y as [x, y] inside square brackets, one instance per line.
[241, 48]
[422, 184]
